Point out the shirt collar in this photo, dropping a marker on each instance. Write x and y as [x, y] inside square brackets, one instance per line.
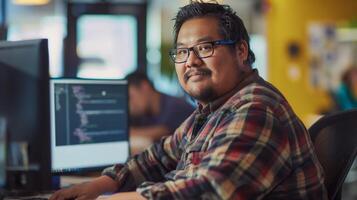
[247, 78]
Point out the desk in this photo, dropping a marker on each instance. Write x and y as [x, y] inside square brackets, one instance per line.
[47, 196]
[65, 181]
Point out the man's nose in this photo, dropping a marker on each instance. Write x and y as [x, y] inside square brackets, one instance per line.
[193, 60]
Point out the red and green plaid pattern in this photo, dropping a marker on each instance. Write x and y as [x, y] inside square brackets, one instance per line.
[248, 144]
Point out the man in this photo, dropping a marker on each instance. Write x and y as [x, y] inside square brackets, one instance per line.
[152, 114]
[243, 141]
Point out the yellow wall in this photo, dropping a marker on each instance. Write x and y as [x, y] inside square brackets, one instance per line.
[287, 20]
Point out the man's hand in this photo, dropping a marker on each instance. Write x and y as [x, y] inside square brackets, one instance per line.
[86, 191]
[81, 191]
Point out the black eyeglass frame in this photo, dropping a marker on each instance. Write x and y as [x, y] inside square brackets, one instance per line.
[213, 43]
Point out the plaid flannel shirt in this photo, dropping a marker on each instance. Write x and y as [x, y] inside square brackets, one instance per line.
[248, 144]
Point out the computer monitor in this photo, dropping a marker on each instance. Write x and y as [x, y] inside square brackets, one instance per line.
[24, 102]
[89, 124]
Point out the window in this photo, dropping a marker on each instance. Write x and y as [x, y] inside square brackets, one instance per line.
[105, 39]
[106, 45]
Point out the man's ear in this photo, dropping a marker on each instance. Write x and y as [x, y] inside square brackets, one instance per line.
[242, 51]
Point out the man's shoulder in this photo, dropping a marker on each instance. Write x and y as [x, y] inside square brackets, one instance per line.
[260, 91]
[260, 97]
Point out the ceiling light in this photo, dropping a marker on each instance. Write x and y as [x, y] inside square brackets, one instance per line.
[30, 2]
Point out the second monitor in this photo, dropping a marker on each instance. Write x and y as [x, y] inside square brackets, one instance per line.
[89, 124]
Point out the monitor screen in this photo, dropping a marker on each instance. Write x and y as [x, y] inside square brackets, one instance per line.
[24, 103]
[89, 124]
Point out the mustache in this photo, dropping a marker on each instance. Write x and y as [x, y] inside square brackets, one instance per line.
[191, 72]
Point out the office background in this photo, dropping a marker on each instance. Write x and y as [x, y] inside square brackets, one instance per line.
[302, 46]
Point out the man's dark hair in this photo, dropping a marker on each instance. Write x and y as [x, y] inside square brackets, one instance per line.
[231, 26]
[137, 77]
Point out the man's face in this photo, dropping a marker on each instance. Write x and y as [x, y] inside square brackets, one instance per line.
[207, 79]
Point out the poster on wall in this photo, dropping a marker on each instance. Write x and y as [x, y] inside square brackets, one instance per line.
[323, 54]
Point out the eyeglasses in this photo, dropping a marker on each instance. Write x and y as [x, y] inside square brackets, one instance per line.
[201, 50]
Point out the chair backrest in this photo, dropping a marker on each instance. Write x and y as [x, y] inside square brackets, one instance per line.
[335, 140]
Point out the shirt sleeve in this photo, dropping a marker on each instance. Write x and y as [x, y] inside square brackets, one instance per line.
[247, 157]
[150, 165]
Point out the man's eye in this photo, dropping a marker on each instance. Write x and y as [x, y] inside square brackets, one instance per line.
[204, 47]
[181, 51]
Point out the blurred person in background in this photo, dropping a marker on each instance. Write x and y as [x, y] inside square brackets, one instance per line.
[152, 114]
[346, 94]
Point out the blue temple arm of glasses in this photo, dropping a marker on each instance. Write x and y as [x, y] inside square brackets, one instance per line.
[225, 42]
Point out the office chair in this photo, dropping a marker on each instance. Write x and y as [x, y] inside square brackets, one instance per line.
[335, 140]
